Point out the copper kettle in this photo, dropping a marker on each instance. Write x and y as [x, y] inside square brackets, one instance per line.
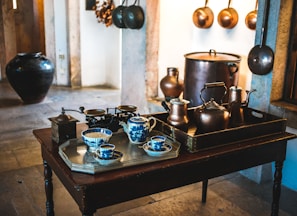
[211, 116]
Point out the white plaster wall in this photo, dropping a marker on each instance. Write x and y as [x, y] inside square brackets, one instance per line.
[179, 36]
[99, 46]
[49, 22]
[60, 41]
[100, 51]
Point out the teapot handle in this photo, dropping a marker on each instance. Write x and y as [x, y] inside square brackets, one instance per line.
[154, 122]
[212, 85]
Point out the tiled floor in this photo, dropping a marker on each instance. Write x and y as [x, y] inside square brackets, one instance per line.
[21, 172]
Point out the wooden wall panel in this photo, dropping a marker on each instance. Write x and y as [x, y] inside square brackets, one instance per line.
[152, 47]
[22, 30]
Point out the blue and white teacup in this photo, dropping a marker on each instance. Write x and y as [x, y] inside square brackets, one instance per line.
[106, 150]
[157, 142]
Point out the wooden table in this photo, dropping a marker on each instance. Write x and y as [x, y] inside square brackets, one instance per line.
[96, 191]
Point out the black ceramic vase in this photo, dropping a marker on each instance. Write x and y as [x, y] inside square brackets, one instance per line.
[30, 75]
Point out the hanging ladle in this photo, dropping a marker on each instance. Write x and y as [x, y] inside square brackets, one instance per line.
[260, 58]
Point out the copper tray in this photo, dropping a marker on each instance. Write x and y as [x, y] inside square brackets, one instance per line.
[257, 124]
[75, 155]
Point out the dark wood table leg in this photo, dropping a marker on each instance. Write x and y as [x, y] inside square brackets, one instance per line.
[204, 190]
[48, 189]
[277, 187]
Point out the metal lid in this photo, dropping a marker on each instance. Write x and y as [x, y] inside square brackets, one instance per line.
[212, 55]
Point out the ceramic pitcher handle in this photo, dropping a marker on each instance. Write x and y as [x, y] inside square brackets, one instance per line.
[153, 119]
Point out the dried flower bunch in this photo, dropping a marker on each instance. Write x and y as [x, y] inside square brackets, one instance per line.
[103, 11]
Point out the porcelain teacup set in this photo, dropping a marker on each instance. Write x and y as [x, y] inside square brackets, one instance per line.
[97, 140]
[106, 154]
[138, 129]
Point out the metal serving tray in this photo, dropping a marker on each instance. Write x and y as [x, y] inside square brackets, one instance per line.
[257, 124]
[75, 155]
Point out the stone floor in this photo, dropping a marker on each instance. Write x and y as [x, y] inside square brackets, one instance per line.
[21, 172]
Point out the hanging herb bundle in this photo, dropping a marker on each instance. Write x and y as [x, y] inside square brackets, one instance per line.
[103, 11]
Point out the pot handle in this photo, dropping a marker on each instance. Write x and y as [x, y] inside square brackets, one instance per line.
[212, 51]
[213, 85]
[233, 68]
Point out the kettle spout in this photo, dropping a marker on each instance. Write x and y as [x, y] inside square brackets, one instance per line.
[124, 125]
[248, 92]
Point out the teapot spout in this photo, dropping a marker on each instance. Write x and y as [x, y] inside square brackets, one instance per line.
[125, 126]
[248, 92]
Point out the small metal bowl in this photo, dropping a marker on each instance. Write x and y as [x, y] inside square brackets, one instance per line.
[127, 108]
[94, 112]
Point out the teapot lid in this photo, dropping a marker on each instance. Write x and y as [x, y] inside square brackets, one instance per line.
[213, 105]
[136, 119]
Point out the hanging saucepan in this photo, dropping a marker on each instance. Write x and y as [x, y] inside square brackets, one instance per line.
[228, 17]
[251, 18]
[134, 16]
[203, 17]
[261, 57]
[117, 16]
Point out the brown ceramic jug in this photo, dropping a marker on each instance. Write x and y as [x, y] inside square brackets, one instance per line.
[170, 85]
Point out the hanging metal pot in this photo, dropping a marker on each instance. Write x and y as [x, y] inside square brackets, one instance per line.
[117, 16]
[203, 17]
[261, 57]
[133, 16]
[251, 18]
[228, 17]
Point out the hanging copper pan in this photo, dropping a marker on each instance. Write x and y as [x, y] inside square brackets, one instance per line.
[203, 17]
[228, 17]
[251, 18]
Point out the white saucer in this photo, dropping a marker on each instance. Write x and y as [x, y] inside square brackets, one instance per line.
[151, 152]
[108, 161]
